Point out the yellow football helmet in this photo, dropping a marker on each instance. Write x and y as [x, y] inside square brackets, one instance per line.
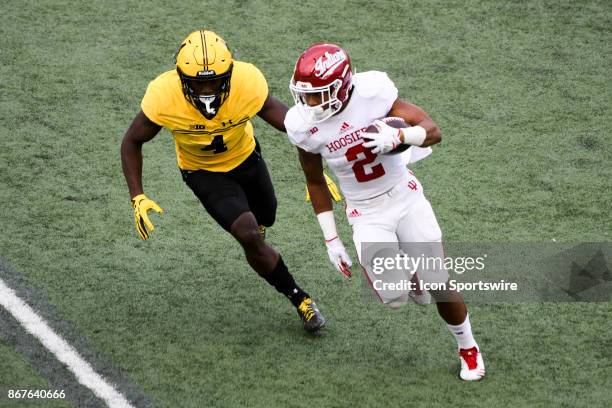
[204, 64]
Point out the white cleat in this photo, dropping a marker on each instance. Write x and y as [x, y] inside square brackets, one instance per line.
[472, 364]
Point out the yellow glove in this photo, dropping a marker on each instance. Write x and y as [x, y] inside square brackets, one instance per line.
[141, 205]
[331, 186]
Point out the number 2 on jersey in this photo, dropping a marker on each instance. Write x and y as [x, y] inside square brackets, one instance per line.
[359, 169]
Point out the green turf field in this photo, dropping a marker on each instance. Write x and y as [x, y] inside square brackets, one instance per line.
[522, 93]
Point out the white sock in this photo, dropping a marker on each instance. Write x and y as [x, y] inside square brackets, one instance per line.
[463, 334]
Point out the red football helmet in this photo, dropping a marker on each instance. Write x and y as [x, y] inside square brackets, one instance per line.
[321, 81]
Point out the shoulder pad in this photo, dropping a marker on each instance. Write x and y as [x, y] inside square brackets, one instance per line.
[297, 128]
[248, 77]
[247, 70]
[371, 84]
[165, 80]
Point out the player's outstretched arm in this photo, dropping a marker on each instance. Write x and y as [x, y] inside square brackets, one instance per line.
[321, 200]
[416, 117]
[274, 111]
[140, 131]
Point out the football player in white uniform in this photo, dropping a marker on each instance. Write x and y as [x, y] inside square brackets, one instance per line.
[384, 200]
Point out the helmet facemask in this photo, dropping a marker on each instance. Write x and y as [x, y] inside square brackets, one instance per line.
[327, 95]
[207, 104]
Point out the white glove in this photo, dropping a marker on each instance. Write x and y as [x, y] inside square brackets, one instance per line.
[338, 256]
[387, 139]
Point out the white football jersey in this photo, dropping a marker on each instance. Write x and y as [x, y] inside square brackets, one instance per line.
[361, 173]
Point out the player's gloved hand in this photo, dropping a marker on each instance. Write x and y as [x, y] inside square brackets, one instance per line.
[333, 189]
[387, 138]
[142, 205]
[338, 256]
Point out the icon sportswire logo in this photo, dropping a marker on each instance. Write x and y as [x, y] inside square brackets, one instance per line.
[327, 64]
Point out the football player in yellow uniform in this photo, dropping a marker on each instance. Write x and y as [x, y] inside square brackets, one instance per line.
[207, 103]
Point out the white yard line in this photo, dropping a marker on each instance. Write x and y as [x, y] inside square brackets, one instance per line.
[63, 351]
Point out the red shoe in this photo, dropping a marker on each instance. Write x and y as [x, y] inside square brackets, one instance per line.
[472, 365]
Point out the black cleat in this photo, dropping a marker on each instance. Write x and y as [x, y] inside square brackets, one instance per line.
[311, 317]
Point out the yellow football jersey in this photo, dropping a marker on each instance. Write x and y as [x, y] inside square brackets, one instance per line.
[219, 144]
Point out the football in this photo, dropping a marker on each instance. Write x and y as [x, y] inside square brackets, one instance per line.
[394, 122]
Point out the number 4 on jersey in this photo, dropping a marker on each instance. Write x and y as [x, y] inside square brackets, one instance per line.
[217, 145]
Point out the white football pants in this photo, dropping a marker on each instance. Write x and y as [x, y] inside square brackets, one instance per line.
[399, 222]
